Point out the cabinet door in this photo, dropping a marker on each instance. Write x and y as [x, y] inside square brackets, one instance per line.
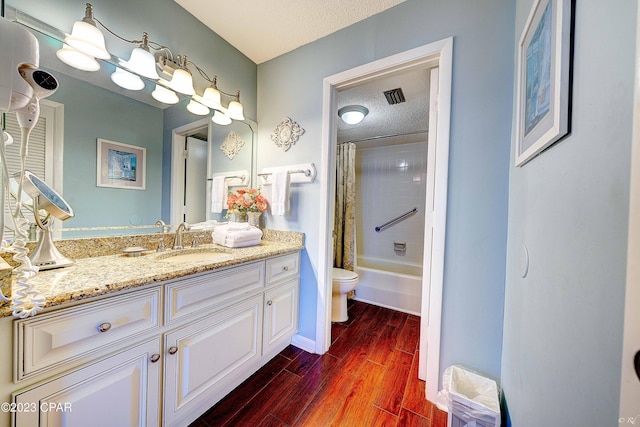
[121, 390]
[208, 358]
[281, 316]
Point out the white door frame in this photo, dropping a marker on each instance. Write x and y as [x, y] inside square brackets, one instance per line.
[176, 198]
[629, 382]
[440, 53]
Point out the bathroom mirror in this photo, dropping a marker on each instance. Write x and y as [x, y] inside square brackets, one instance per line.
[95, 108]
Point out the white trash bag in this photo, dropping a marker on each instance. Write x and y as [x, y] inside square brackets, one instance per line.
[469, 396]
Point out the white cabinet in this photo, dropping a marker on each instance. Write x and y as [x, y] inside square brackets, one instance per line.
[116, 362]
[280, 316]
[204, 360]
[121, 390]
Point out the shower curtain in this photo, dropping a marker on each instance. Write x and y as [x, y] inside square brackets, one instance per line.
[345, 228]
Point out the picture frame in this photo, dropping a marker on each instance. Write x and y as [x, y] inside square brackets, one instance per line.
[543, 91]
[121, 165]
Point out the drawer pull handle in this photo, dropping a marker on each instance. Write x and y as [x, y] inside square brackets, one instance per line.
[285, 268]
[269, 302]
[155, 358]
[173, 350]
[104, 327]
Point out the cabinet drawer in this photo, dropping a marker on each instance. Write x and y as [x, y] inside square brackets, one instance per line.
[57, 338]
[283, 268]
[210, 291]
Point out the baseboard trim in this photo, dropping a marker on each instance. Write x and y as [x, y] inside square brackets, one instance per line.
[303, 343]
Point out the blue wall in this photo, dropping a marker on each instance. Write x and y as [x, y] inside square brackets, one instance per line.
[291, 86]
[563, 322]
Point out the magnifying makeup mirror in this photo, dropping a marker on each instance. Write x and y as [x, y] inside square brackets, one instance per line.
[43, 200]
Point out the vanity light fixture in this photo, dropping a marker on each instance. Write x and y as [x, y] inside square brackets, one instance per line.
[77, 59]
[235, 110]
[127, 80]
[353, 114]
[86, 43]
[220, 118]
[142, 60]
[197, 108]
[164, 95]
[86, 37]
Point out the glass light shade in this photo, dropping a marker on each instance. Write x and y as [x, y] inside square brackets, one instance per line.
[353, 114]
[142, 62]
[127, 80]
[211, 98]
[182, 82]
[77, 59]
[235, 110]
[87, 39]
[197, 108]
[220, 118]
[164, 95]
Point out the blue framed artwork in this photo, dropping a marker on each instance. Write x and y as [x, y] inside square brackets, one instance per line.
[121, 165]
[543, 79]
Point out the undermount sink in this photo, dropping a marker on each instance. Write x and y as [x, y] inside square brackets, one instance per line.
[194, 255]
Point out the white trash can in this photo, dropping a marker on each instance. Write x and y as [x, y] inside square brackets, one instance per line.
[473, 400]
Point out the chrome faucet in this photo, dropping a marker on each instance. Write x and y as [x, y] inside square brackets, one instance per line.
[177, 243]
[165, 227]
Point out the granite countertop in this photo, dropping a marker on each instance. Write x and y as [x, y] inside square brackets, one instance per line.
[100, 275]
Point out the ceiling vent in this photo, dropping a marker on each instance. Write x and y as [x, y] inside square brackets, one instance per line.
[394, 96]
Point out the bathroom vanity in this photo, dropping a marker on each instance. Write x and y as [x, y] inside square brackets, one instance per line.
[161, 348]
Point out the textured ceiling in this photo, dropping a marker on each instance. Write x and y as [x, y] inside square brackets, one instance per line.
[385, 119]
[264, 29]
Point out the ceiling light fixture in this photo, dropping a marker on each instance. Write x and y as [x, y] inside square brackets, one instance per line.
[86, 43]
[353, 114]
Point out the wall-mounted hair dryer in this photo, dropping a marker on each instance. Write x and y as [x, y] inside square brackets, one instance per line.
[19, 48]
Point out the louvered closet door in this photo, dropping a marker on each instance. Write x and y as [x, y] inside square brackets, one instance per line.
[40, 157]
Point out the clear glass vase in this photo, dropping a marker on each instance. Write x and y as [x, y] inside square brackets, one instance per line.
[239, 216]
[254, 218]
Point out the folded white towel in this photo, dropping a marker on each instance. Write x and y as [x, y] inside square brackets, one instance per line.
[235, 226]
[236, 239]
[218, 193]
[279, 192]
[243, 244]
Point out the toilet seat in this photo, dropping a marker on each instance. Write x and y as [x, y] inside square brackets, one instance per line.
[344, 275]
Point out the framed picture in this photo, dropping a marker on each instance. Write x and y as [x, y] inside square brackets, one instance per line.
[121, 165]
[543, 79]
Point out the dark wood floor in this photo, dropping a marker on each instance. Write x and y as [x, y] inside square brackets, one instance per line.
[369, 377]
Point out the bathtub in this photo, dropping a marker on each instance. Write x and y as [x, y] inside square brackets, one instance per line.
[389, 284]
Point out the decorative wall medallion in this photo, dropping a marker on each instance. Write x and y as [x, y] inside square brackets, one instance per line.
[286, 133]
[232, 145]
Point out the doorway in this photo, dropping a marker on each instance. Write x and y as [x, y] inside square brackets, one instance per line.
[179, 162]
[435, 55]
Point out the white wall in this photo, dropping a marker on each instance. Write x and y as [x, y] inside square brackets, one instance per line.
[390, 181]
[563, 322]
[291, 85]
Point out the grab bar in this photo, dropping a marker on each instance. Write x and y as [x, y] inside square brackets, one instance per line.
[394, 220]
[240, 177]
[306, 172]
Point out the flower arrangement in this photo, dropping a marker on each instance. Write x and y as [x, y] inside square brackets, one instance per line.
[246, 200]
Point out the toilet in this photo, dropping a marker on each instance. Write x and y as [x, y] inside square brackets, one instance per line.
[344, 281]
